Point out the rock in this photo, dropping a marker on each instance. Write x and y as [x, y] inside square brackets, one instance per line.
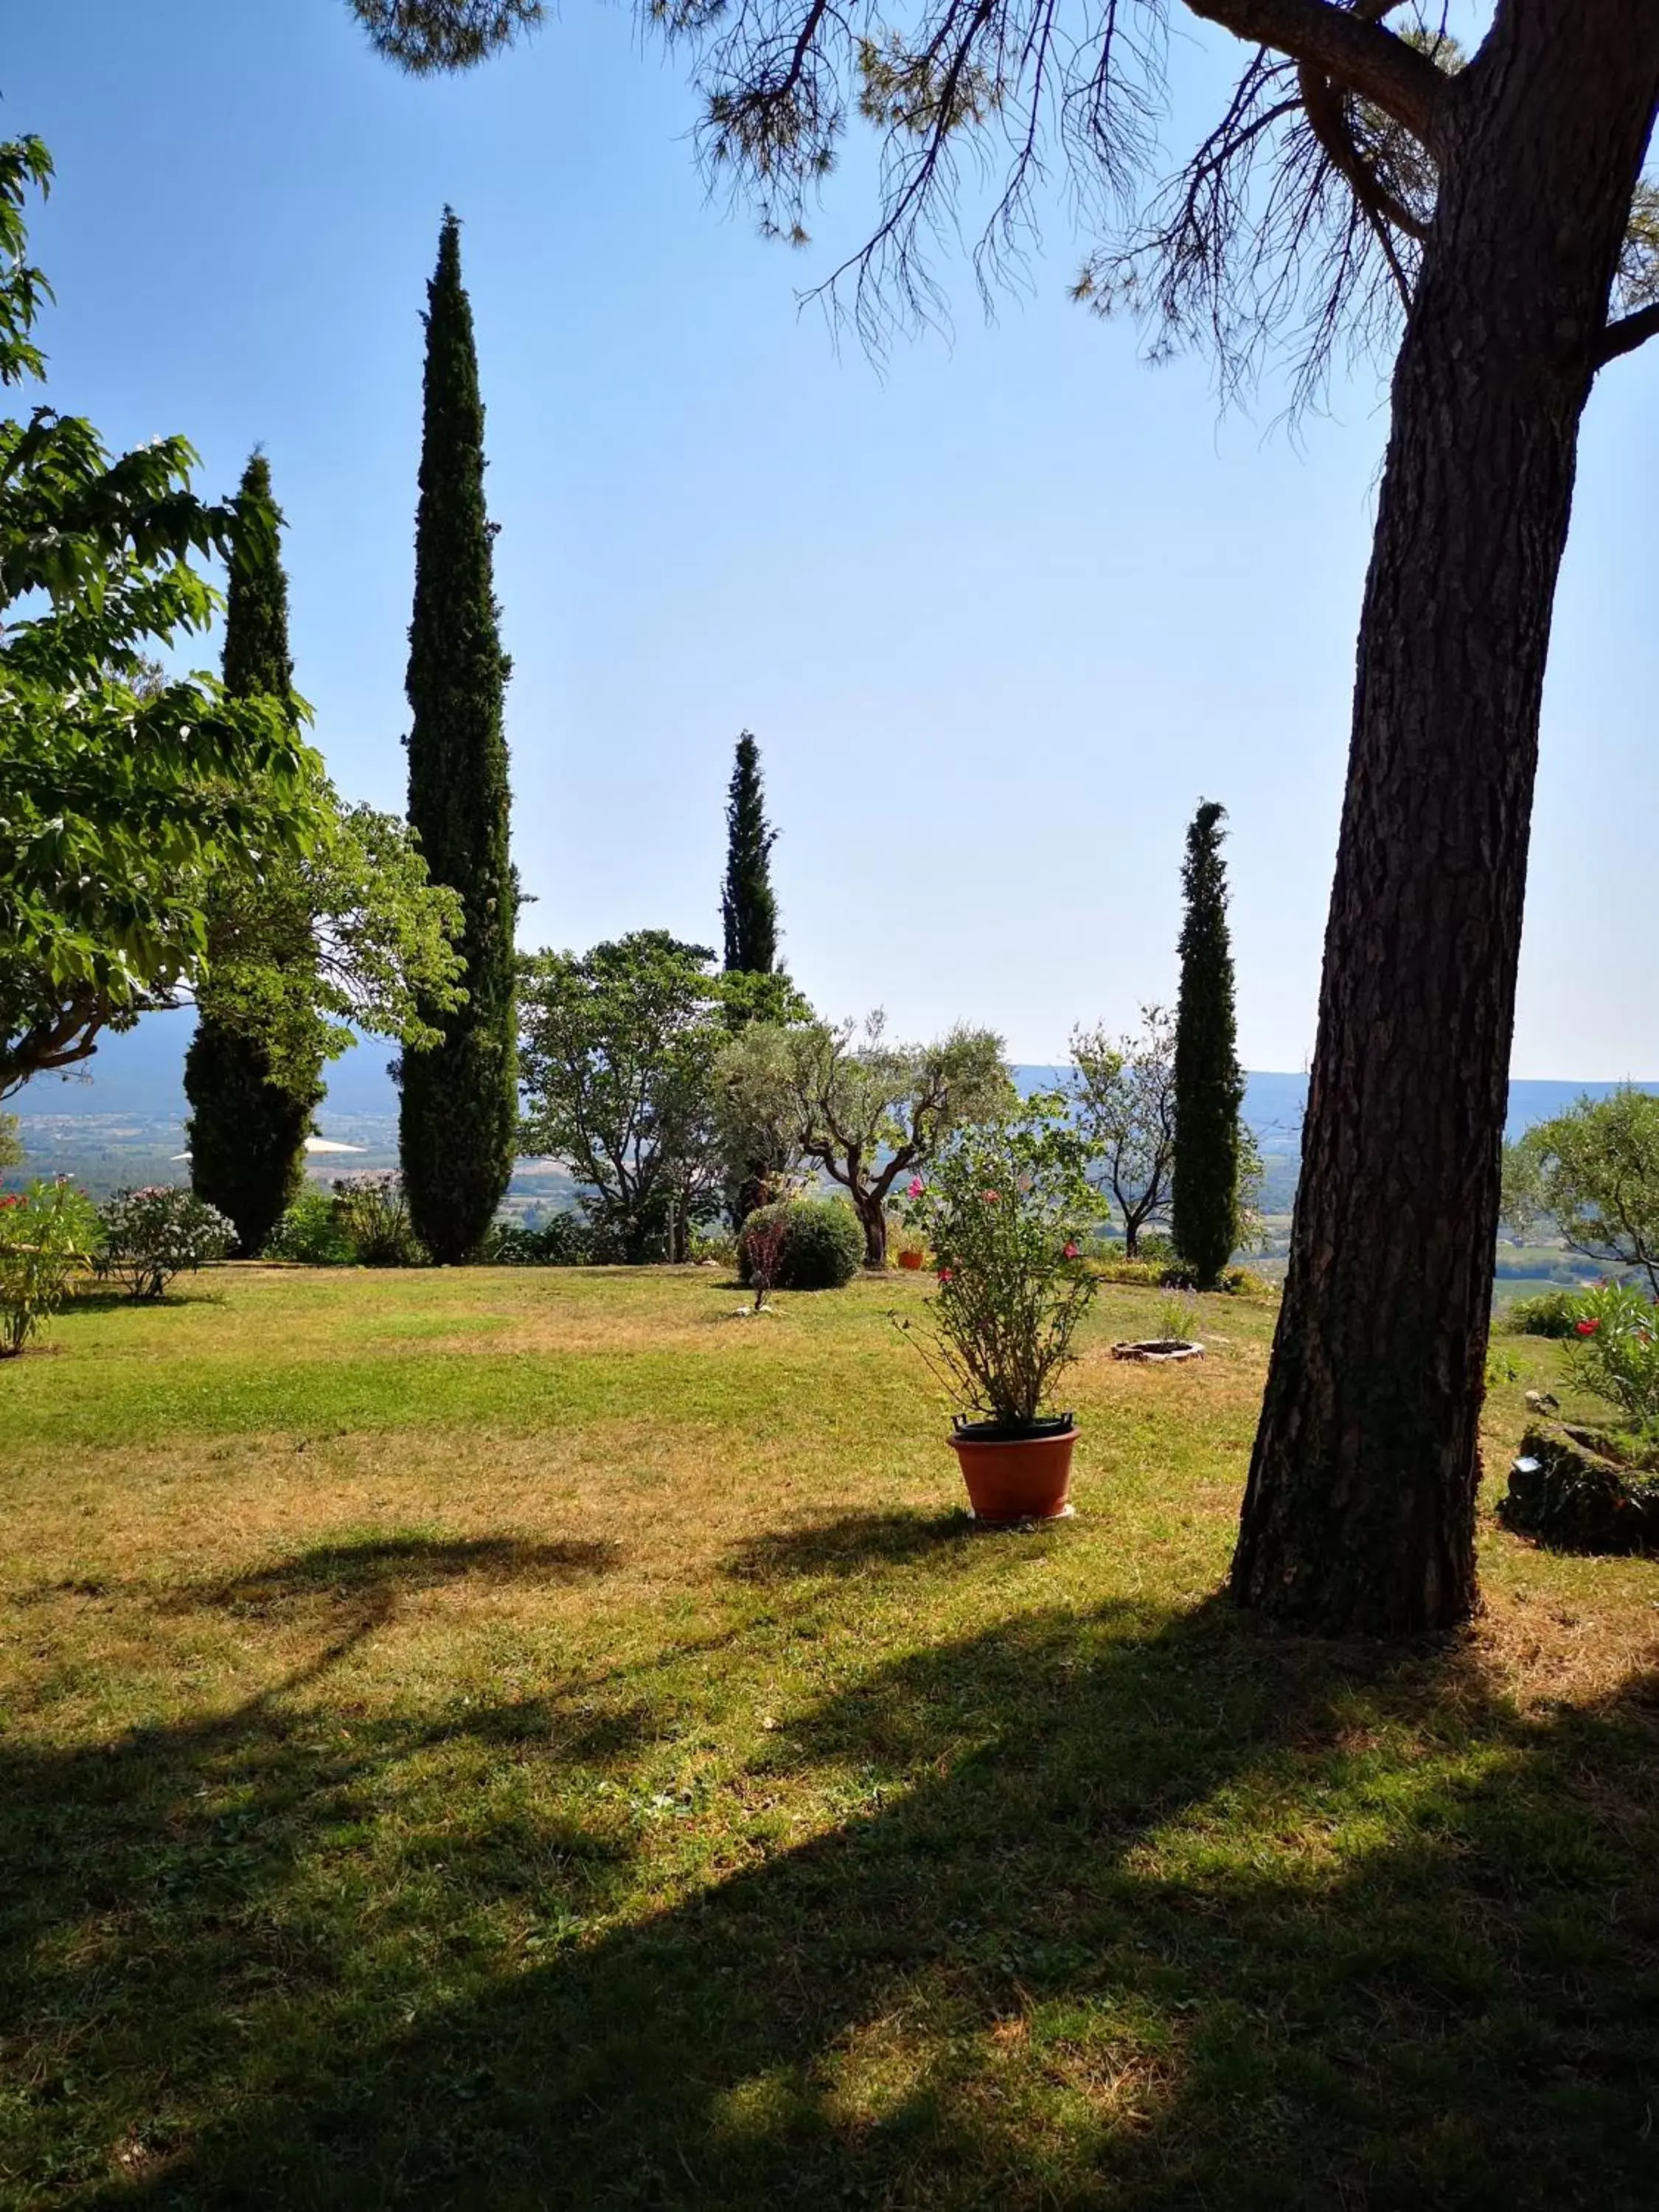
[1580, 1490]
[1159, 1350]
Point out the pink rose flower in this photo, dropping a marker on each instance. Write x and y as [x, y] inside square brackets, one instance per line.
[915, 1187]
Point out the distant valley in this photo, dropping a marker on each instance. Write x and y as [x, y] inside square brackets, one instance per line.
[121, 1119]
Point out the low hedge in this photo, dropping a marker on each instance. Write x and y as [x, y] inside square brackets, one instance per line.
[823, 1243]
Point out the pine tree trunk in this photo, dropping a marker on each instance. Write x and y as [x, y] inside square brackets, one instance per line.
[1359, 1514]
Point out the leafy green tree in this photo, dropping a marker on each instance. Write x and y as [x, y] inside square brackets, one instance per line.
[459, 1104]
[1595, 1172]
[1122, 1094]
[748, 906]
[354, 940]
[1367, 179]
[11, 1142]
[617, 1056]
[1209, 1086]
[251, 1115]
[865, 1111]
[124, 797]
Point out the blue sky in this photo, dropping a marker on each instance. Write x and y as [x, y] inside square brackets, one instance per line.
[999, 614]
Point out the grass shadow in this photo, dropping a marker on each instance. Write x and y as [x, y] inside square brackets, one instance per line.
[850, 1545]
[1123, 1909]
[110, 1297]
[379, 1566]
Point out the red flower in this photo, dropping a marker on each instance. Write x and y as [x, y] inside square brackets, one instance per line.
[1071, 1251]
[944, 1274]
[989, 1196]
[1586, 1328]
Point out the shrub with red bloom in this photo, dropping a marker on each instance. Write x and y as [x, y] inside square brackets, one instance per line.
[1614, 1349]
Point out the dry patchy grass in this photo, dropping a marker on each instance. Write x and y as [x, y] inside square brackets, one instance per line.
[530, 1738]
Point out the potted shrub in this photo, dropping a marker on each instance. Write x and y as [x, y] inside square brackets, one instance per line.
[1005, 1210]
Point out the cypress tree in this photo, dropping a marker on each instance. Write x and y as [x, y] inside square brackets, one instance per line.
[1209, 1087]
[459, 1099]
[249, 1120]
[748, 902]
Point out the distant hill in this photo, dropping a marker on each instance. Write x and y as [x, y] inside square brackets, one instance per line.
[142, 1075]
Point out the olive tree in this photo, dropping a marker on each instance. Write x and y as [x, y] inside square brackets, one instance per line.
[1122, 1095]
[1595, 1172]
[863, 1110]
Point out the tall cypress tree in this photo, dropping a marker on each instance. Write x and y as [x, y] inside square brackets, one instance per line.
[1209, 1087]
[459, 1104]
[249, 1117]
[748, 904]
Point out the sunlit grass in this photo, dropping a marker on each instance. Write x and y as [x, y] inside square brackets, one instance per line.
[522, 1738]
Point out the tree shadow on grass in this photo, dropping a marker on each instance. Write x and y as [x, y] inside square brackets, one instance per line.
[376, 1569]
[1127, 1909]
[112, 1298]
[852, 1544]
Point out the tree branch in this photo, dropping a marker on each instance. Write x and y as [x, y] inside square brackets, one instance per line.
[1323, 104]
[1630, 331]
[1361, 56]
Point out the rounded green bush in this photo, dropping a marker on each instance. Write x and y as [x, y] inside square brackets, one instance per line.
[823, 1244]
[1552, 1313]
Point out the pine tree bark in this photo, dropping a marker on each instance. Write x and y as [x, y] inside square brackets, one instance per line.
[1359, 1512]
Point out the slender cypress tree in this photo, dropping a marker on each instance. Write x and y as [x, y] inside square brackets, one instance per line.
[748, 902]
[1209, 1088]
[459, 1104]
[249, 1120]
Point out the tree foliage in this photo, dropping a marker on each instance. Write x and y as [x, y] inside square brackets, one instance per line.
[123, 796]
[618, 1055]
[864, 1110]
[1122, 1093]
[460, 1103]
[250, 1113]
[749, 906]
[1294, 233]
[1595, 1172]
[1209, 1086]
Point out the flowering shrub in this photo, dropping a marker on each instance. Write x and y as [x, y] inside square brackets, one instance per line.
[150, 1236]
[1008, 1209]
[46, 1232]
[1614, 1349]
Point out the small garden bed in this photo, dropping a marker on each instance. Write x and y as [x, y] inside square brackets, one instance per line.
[1583, 1490]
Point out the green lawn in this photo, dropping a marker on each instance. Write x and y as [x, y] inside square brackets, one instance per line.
[509, 1739]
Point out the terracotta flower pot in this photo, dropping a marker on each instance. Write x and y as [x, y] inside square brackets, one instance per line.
[909, 1259]
[1012, 1479]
